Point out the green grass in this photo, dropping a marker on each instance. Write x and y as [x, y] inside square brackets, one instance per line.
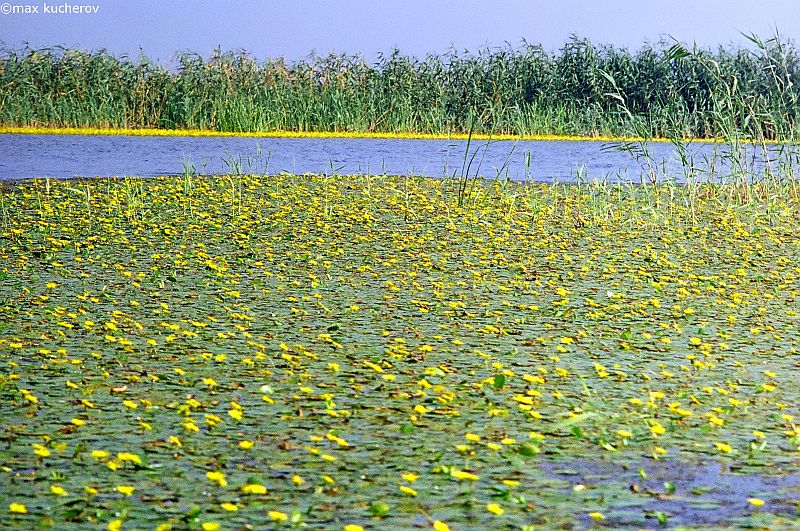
[668, 89]
[302, 347]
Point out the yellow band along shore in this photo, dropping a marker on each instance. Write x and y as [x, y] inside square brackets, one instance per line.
[341, 134]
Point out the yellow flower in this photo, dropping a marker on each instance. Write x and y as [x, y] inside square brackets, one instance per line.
[755, 502]
[115, 525]
[254, 488]
[231, 507]
[410, 477]
[129, 456]
[460, 474]
[278, 516]
[407, 490]
[353, 527]
[210, 526]
[438, 525]
[17, 508]
[597, 516]
[723, 447]
[58, 490]
[246, 445]
[40, 450]
[218, 478]
[127, 490]
[337, 440]
[494, 509]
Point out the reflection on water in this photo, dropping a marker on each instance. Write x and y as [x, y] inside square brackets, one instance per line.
[25, 156]
[694, 494]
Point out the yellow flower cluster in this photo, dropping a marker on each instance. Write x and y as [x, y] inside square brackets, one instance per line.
[370, 351]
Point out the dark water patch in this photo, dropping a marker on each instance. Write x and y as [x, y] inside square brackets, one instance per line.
[669, 493]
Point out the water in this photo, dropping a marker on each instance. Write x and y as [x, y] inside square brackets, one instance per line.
[67, 156]
[706, 494]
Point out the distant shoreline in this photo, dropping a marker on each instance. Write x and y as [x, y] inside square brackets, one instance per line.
[582, 91]
[343, 134]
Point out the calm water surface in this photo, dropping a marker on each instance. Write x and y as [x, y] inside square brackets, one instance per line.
[67, 156]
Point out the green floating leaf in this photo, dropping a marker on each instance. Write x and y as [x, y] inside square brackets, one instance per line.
[379, 508]
[499, 381]
[528, 450]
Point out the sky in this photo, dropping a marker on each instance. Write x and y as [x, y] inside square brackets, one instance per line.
[294, 28]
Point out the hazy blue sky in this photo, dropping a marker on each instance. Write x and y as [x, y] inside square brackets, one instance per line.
[293, 28]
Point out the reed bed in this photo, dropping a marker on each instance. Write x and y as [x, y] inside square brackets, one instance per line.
[667, 89]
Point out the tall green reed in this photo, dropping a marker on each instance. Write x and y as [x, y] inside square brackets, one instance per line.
[524, 89]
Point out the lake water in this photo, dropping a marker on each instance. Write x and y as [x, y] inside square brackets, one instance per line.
[68, 156]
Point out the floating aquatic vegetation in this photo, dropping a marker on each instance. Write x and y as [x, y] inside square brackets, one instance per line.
[356, 352]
